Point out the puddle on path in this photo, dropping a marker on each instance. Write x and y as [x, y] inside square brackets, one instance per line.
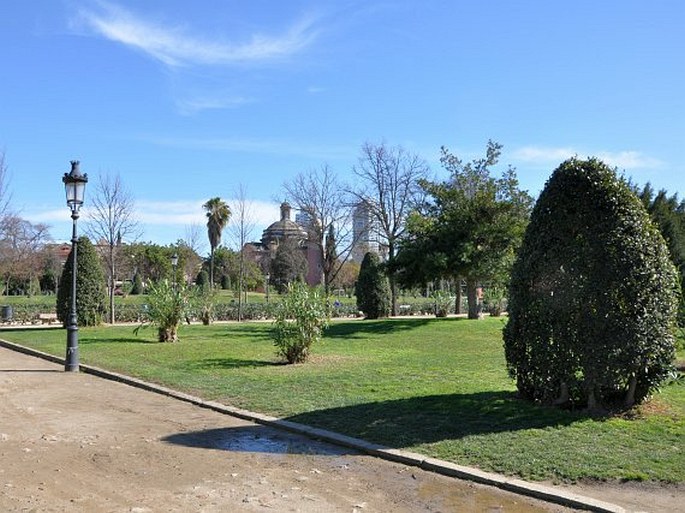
[254, 439]
[456, 495]
[464, 496]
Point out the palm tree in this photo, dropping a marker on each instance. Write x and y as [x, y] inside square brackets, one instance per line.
[218, 215]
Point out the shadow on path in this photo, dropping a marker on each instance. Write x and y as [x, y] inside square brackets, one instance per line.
[32, 370]
[259, 439]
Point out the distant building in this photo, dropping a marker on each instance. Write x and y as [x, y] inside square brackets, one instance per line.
[365, 233]
[263, 251]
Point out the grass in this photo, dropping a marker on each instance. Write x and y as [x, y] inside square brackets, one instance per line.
[434, 386]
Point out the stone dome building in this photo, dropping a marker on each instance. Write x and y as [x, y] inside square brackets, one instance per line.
[262, 252]
[285, 228]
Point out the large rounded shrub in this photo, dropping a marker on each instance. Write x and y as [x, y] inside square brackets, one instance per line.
[593, 295]
[372, 288]
[90, 287]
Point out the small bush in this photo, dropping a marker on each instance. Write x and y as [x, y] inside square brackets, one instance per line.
[168, 306]
[443, 303]
[204, 302]
[495, 300]
[301, 317]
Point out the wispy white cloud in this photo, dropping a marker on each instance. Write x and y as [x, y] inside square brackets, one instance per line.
[165, 213]
[189, 106]
[176, 47]
[630, 160]
[543, 155]
[248, 145]
[48, 216]
[540, 155]
[183, 213]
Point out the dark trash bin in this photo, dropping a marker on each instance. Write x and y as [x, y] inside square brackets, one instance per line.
[6, 313]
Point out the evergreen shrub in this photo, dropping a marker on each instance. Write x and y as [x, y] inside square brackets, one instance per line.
[90, 287]
[372, 288]
[593, 295]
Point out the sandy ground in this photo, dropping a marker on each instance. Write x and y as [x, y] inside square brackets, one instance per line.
[75, 442]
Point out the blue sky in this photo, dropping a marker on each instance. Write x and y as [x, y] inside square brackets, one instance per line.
[190, 100]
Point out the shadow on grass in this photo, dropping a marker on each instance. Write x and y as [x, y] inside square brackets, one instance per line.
[85, 340]
[30, 328]
[259, 439]
[228, 363]
[419, 420]
[241, 331]
[364, 328]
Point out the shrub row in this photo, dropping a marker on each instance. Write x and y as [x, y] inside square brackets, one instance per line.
[222, 311]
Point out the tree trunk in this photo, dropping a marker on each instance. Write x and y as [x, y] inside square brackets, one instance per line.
[111, 298]
[240, 286]
[393, 296]
[563, 395]
[457, 301]
[591, 401]
[168, 334]
[211, 268]
[630, 394]
[472, 297]
[394, 307]
[111, 284]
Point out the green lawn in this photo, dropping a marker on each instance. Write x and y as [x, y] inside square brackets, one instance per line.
[434, 386]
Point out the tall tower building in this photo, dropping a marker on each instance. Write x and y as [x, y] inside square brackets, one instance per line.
[364, 231]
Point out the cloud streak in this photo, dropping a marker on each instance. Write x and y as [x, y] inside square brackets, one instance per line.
[250, 145]
[540, 155]
[153, 215]
[175, 47]
[184, 213]
[190, 106]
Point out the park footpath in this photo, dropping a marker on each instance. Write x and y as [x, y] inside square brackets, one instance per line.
[548, 494]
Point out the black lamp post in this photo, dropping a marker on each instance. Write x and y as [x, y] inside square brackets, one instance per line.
[75, 187]
[174, 263]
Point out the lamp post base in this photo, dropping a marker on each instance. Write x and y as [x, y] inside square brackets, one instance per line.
[72, 361]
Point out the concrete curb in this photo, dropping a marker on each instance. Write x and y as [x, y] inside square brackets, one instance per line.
[446, 468]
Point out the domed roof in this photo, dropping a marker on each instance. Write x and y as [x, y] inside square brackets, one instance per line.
[283, 228]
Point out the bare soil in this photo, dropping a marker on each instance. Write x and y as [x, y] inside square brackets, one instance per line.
[73, 442]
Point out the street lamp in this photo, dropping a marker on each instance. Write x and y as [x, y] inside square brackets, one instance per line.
[267, 276]
[174, 263]
[75, 187]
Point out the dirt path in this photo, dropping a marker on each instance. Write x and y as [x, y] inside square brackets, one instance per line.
[74, 442]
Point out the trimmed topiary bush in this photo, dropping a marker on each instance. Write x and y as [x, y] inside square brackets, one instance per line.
[90, 287]
[593, 295]
[372, 288]
[202, 279]
[137, 287]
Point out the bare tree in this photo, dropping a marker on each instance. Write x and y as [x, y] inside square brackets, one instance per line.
[194, 242]
[111, 220]
[20, 250]
[5, 195]
[242, 228]
[322, 198]
[389, 189]
[194, 239]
